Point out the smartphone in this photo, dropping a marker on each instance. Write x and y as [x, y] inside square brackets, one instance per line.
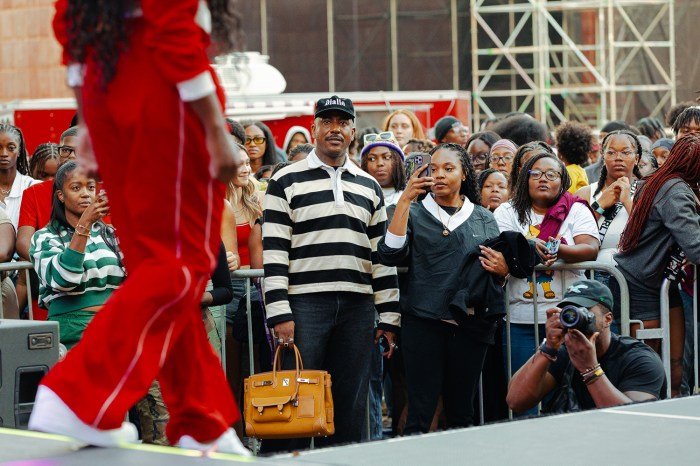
[553, 246]
[414, 161]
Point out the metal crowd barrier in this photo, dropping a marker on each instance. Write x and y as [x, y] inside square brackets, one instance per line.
[663, 333]
[11, 267]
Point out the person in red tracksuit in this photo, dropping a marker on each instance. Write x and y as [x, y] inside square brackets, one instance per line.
[152, 125]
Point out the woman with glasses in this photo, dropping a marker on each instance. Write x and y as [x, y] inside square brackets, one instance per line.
[260, 145]
[525, 153]
[478, 147]
[544, 211]
[611, 196]
[14, 170]
[502, 155]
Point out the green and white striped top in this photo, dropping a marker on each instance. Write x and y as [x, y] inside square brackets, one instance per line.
[71, 280]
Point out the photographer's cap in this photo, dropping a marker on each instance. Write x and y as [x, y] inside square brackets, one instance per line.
[587, 293]
[335, 103]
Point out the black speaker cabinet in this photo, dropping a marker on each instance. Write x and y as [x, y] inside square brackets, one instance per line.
[28, 349]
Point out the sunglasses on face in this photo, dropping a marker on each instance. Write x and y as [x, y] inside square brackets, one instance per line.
[551, 175]
[383, 136]
[257, 140]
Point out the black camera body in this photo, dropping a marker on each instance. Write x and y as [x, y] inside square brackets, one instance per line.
[579, 318]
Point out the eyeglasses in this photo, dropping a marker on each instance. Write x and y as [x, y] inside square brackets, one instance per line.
[627, 154]
[502, 158]
[551, 175]
[384, 136]
[66, 151]
[257, 140]
[479, 157]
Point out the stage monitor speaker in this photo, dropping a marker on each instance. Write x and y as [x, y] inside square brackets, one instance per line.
[28, 349]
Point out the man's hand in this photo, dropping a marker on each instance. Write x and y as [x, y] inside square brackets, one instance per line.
[554, 331]
[284, 332]
[581, 349]
[390, 337]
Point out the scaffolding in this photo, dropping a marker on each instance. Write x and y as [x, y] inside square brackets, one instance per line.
[586, 60]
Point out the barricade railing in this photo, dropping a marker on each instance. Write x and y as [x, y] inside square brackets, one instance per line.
[19, 266]
[663, 333]
[591, 266]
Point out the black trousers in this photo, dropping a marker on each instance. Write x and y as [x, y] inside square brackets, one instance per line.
[440, 359]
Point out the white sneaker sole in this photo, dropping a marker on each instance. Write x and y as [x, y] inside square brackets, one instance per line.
[228, 442]
[52, 415]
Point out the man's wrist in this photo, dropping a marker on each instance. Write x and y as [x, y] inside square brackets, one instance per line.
[547, 351]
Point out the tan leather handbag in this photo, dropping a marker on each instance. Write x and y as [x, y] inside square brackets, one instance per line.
[288, 404]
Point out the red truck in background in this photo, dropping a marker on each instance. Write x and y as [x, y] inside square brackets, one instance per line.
[43, 120]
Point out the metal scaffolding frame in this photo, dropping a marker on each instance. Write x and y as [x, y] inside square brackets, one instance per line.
[531, 56]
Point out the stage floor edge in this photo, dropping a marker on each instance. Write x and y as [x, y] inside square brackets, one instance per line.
[662, 432]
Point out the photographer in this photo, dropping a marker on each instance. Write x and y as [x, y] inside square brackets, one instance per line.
[589, 366]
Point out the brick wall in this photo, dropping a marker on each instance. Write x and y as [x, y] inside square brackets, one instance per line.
[29, 54]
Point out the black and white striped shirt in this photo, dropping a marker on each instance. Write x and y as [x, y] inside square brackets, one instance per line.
[320, 233]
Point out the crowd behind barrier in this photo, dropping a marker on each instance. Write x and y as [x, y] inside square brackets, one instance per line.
[661, 333]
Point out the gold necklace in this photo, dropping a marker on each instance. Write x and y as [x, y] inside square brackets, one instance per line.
[446, 229]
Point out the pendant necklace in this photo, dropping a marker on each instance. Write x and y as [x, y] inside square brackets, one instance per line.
[446, 230]
[5, 192]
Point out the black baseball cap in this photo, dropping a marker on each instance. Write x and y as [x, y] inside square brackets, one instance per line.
[587, 293]
[335, 103]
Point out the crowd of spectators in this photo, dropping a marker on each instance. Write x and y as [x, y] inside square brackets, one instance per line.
[332, 214]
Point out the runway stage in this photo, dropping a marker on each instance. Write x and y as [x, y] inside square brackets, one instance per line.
[662, 432]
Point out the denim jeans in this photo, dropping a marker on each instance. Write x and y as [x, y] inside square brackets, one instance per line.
[522, 344]
[376, 390]
[335, 332]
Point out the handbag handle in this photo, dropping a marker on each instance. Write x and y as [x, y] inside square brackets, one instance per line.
[277, 364]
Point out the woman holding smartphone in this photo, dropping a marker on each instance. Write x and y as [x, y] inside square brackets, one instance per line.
[434, 237]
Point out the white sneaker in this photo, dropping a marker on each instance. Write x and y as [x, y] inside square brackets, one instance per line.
[227, 443]
[52, 415]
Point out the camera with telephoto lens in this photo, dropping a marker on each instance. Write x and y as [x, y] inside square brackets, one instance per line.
[579, 318]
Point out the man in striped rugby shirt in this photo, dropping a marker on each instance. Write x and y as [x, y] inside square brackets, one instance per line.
[323, 219]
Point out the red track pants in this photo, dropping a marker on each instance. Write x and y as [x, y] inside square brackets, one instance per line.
[167, 210]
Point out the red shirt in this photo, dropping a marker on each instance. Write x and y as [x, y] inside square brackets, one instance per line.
[35, 210]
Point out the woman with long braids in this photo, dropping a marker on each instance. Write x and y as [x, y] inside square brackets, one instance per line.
[664, 221]
[611, 196]
[14, 170]
[142, 78]
[435, 237]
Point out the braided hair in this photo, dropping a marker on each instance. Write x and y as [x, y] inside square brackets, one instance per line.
[22, 159]
[398, 172]
[538, 147]
[682, 165]
[521, 201]
[468, 188]
[101, 27]
[42, 154]
[604, 170]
